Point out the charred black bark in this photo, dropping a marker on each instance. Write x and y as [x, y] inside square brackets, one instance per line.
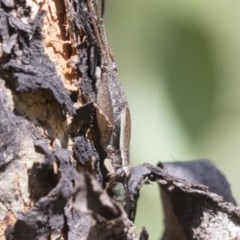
[37, 164]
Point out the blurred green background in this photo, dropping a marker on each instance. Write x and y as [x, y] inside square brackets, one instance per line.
[179, 62]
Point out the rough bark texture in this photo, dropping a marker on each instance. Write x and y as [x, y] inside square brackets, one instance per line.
[52, 174]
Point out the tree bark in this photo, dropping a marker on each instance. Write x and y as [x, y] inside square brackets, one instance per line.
[54, 184]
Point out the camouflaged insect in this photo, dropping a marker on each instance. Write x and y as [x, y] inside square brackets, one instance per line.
[114, 121]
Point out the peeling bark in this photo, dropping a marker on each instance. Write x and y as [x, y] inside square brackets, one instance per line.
[191, 210]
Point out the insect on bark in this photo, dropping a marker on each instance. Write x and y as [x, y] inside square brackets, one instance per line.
[112, 111]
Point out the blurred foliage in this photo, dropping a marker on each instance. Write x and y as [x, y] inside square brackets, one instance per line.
[179, 62]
